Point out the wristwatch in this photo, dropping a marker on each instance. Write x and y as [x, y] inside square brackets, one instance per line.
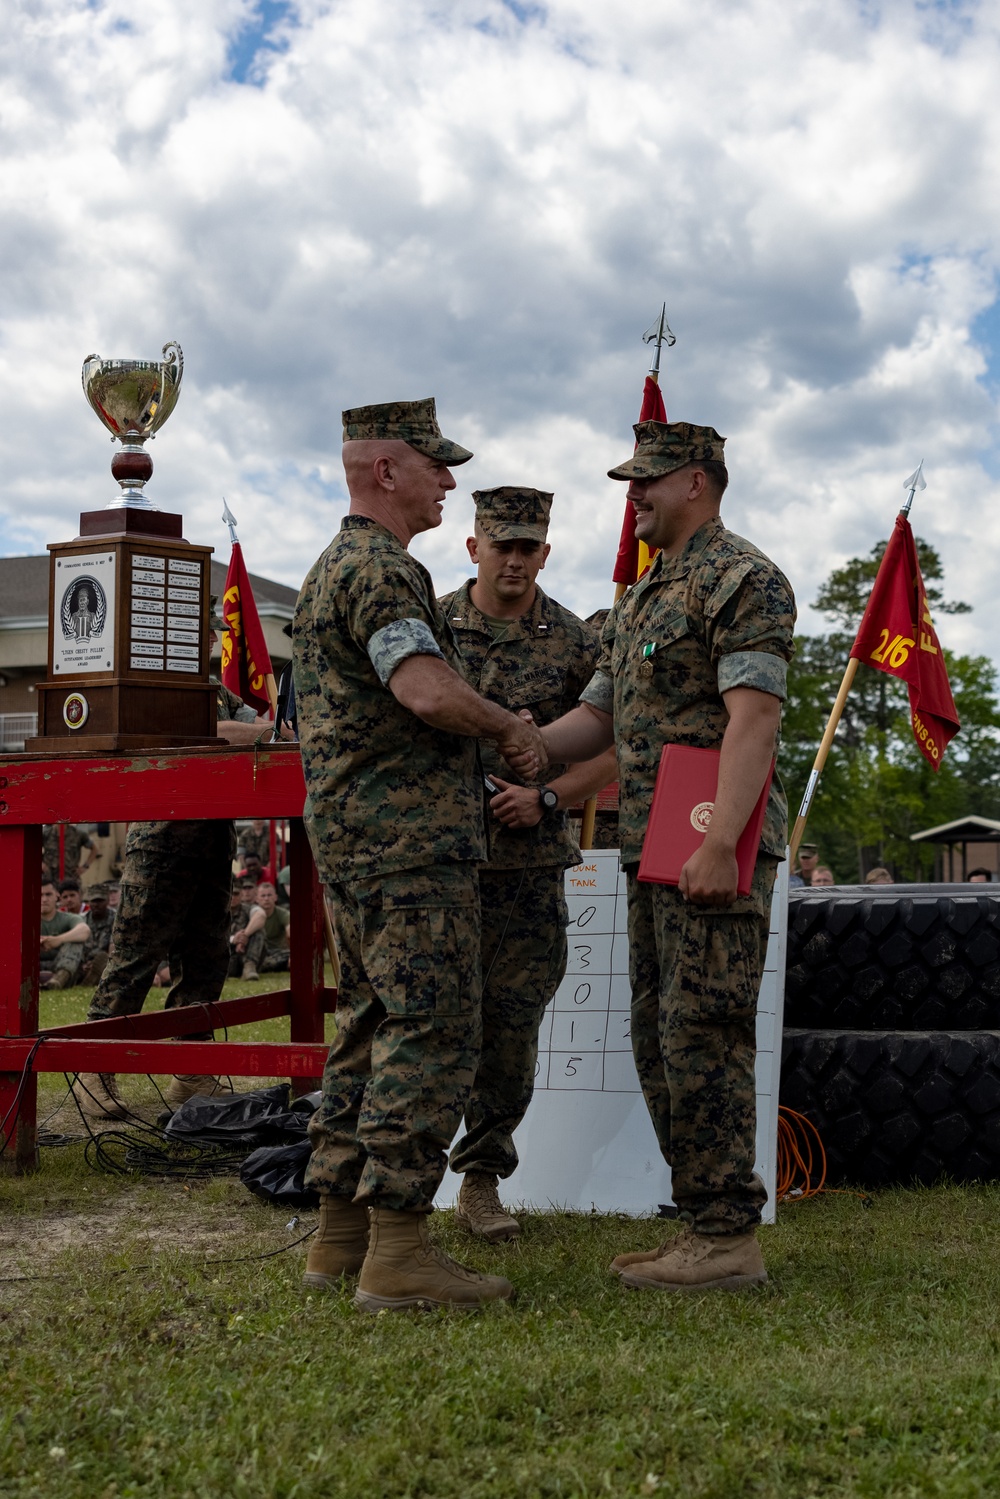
[548, 798]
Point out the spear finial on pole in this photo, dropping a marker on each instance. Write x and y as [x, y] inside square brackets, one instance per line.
[658, 335]
[913, 483]
[230, 520]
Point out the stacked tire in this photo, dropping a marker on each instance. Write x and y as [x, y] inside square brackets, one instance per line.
[892, 1030]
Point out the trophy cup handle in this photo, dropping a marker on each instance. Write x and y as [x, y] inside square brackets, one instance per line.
[174, 355]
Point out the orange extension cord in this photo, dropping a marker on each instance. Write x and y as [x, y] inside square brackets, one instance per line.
[800, 1153]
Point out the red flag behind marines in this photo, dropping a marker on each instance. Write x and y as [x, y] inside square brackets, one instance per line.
[897, 636]
[246, 664]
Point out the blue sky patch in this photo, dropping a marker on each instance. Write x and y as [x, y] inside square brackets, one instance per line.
[985, 332]
[255, 41]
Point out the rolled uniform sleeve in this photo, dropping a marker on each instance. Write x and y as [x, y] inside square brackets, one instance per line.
[390, 645]
[758, 669]
[389, 616]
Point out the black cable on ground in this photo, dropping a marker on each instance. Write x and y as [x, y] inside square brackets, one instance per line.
[147, 1149]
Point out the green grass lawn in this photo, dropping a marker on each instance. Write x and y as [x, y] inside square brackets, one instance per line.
[868, 1366]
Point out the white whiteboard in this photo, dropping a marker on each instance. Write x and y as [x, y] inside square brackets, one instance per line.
[586, 1142]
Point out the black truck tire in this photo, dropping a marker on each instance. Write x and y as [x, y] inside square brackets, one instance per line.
[898, 1107]
[903, 957]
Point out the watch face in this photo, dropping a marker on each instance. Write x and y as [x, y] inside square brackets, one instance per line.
[550, 798]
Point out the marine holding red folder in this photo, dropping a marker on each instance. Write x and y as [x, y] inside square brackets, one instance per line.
[695, 654]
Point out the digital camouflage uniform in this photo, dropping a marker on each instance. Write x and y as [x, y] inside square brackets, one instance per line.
[395, 818]
[175, 890]
[95, 952]
[238, 921]
[718, 616]
[252, 842]
[74, 841]
[542, 662]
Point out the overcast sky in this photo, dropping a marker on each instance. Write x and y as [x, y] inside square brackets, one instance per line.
[335, 202]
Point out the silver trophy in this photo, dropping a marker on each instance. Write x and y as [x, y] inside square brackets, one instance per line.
[133, 398]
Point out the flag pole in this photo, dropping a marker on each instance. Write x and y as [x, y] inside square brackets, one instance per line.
[913, 483]
[658, 335]
[270, 686]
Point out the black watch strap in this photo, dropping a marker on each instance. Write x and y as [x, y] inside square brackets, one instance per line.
[548, 798]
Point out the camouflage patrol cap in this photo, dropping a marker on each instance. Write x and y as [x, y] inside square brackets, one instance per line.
[215, 620]
[414, 422]
[97, 892]
[511, 513]
[663, 446]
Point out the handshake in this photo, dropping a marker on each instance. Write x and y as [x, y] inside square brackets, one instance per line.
[523, 747]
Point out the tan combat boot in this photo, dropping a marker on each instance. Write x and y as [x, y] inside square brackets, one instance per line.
[249, 970]
[339, 1245]
[186, 1084]
[404, 1269]
[698, 1262]
[480, 1210]
[97, 1096]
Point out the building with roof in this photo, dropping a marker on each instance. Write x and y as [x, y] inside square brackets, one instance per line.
[24, 625]
[953, 840]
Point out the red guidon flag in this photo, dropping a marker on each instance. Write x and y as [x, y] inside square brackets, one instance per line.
[246, 664]
[897, 635]
[634, 556]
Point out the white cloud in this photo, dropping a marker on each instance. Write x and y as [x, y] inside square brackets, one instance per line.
[420, 199]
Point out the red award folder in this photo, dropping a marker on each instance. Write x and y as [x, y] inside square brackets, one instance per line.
[683, 801]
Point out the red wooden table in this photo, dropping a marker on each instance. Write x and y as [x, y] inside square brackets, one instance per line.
[214, 782]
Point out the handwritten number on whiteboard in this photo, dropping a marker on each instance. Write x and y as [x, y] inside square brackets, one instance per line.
[586, 916]
[570, 1069]
[584, 961]
[581, 994]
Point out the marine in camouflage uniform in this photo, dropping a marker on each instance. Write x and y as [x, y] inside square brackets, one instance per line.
[252, 841]
[718, 616]
[74, 841]
[394, 812]
[100, 919]
[539, 660]
[175, 890]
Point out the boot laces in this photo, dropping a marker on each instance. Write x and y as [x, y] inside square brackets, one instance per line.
[485, 1196]
[462, 1272]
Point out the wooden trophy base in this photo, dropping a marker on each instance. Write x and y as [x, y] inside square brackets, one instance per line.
[129, 636]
